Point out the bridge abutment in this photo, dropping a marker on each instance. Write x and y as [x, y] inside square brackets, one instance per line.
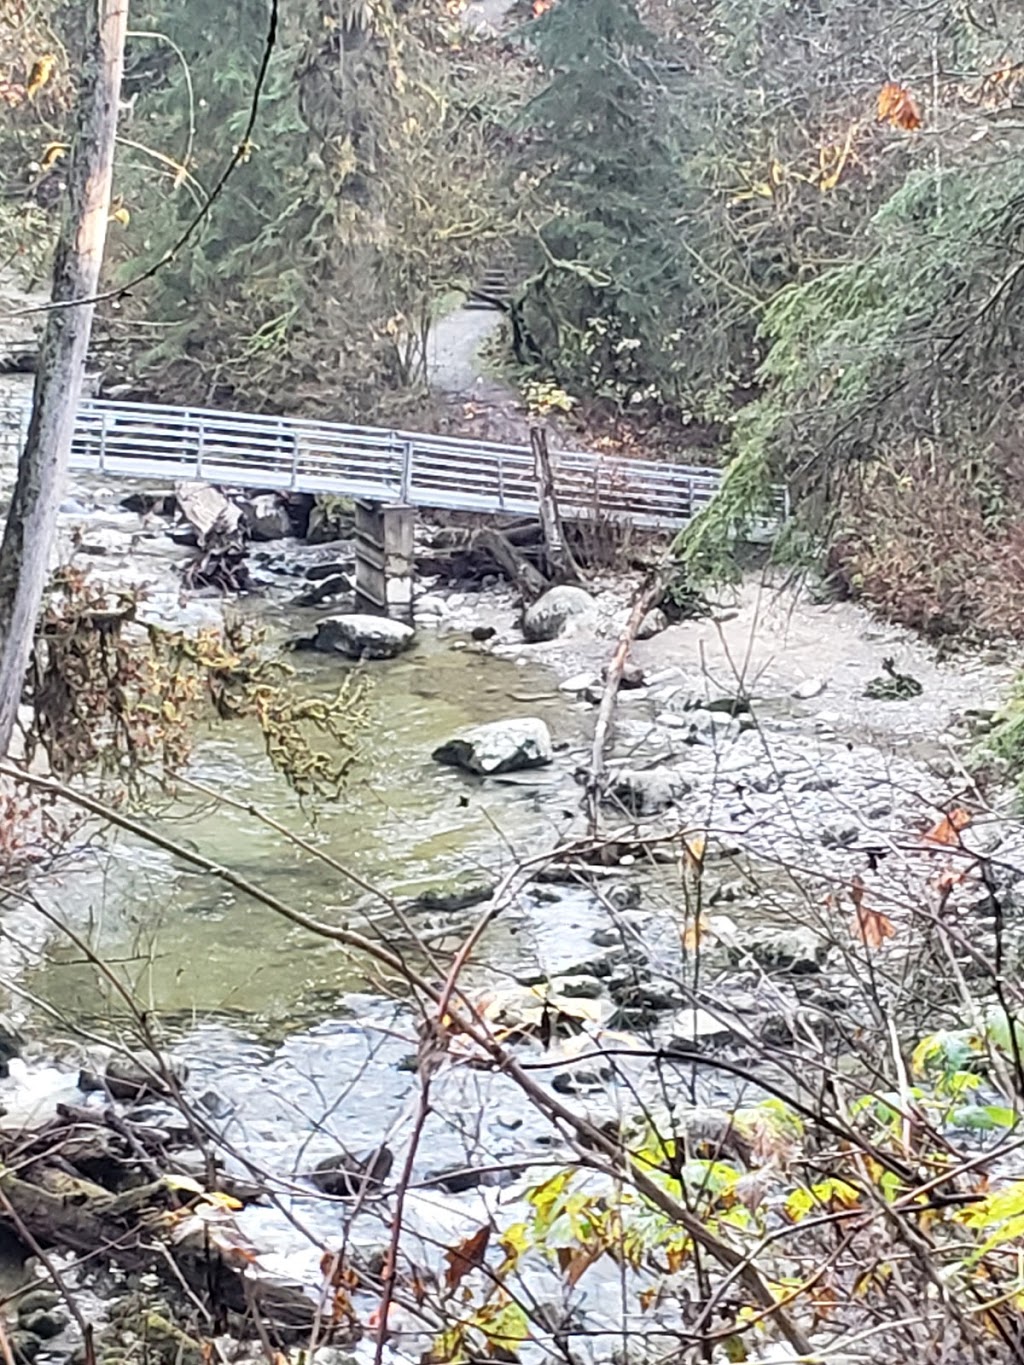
[384, 557]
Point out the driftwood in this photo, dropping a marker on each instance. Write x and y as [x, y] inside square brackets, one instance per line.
[513, 564]
[208, 511]
[220, 534]
[645, 600]
[91, 1181]
[560, 561]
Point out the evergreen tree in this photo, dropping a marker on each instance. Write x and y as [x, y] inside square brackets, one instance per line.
[606, 300]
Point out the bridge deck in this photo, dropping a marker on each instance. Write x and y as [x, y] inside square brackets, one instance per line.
[138, 440]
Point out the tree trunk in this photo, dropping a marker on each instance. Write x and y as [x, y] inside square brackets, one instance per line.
[31, 522]
[561, 564]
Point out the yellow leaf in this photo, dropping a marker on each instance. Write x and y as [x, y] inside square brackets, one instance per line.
[695, 850]
[693, 933]
[42, 70]
[220, 1200]
[184, 1183]
[52, 153]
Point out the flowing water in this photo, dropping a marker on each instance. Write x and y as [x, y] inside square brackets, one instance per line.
[192, 946]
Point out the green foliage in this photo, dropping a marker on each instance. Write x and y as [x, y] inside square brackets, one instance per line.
[121, 702]
[605, 299]
[363, 196]
[1005, 740]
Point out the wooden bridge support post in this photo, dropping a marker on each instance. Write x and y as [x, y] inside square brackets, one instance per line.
[384, 558]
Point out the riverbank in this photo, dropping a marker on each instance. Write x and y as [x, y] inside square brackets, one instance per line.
[749, 736]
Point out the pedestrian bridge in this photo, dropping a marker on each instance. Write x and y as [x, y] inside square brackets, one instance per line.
[170, 444]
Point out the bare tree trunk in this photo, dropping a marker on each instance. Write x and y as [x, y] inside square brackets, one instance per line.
[32, 519]
[561, 563]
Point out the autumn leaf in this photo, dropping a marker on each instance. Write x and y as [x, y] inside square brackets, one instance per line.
[870, 926]
[51, 155]
[466, 1256]
[948, 878]
[693, 854]
[693, 934]
[947, 830]
[42, 70]
[573, 1261]
[898, 108]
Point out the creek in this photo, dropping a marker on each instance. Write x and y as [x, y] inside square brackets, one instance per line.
[296, 1049]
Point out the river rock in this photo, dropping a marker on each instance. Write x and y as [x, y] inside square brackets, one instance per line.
[653, 624]
[126, 1078]
[44, 1322]
[702, 727]
[267, 518]
[646, 791]
[346, 1174]
[695, 1027]
[430, 604]
[337, 586]
[329, 522]
[503, 746]
[579, 683]
[456, 895]
[24, 1346]
[557, 611]
[794, 949]
[810, 687]
[362, 637]
[36, 1301]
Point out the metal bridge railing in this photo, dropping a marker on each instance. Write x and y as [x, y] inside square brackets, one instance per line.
[147, 441]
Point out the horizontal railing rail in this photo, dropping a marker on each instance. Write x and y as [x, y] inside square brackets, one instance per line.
[147, 441]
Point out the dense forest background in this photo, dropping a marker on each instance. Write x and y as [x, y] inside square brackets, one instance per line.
[788, 233]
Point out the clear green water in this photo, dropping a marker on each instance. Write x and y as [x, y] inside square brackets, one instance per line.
[189, 947]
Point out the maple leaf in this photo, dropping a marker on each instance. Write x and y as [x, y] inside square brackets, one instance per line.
[467, 1255]
[947, 830]
[898, 108]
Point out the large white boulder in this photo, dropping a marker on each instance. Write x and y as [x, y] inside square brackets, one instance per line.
[362, 637]
[504, 746]
[560, 611]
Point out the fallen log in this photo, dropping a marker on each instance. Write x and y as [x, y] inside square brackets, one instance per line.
[513, 564]
[208, 511]
[142, 1223]
[221, 536]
